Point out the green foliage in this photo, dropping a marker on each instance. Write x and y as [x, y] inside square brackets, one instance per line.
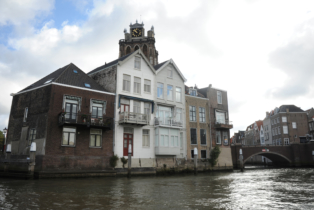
[214, 154]
[113, 161]
[124, 161]
[1, 134]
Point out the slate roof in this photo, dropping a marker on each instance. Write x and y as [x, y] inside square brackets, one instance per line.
[110, 63]
[292, 108]
[66, 75]
[200, 95]
[156, 67]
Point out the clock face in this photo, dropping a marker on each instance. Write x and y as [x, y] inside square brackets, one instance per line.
[136, 32]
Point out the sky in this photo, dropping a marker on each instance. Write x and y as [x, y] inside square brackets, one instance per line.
[261, 52]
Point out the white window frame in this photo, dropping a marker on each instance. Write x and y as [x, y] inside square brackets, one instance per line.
[93, 132]
[191, 111]
[170, 73]
[170, 96]
[279, 132]
[218, 134]
[146, 138]
[137, 85]
[68, 145]
[193, 92]
[126, 84]
[286, 141]
[147, 86]
[219, 97]
[284, 119]
[162, 90]
[178, 93]
[137, 62]
[32, 134]
[219, 117]
[138, 108]
[226, 142]
[25, 114]
[201, 113]
[285, 129]
[294, 125]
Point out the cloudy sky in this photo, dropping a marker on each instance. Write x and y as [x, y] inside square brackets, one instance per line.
[261, 52]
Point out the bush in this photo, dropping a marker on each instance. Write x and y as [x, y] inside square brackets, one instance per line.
[113, 161]
[214, 154]
[124, 161]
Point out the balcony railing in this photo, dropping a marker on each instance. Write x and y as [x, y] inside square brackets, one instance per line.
[226, 124]
[168, 122]
[133, 118]
[84, 120]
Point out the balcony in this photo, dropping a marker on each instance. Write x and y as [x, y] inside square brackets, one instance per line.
[133, 118]
[159, 150]
[85, 120]
[224, 125]
[169, 122]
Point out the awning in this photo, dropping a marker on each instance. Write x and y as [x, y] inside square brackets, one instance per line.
[136, 99]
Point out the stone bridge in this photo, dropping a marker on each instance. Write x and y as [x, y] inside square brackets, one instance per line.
[287, 155]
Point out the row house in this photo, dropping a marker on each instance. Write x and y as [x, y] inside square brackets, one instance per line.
[289, 124]
[254, 134]
[239, 137]
[267, 129]
[310, 118]
[69, 117]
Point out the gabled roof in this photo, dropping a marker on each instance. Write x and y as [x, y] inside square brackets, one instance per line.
[66, 75]
[292, 108]
[162, 65]
[112, 63]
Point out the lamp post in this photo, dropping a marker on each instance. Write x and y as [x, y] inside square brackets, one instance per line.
[129, 160]
[195, 160]
[5, 130]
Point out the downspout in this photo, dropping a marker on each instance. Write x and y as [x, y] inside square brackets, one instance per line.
[114, 112]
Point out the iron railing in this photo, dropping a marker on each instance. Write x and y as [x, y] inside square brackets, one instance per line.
[83, 119]
[168, 122]
[133, 118]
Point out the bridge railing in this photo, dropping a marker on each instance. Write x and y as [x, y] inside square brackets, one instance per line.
[265, 145]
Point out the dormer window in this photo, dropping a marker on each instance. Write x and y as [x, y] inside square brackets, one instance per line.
[137, 63]
[192, 92]
[48, 81]
[75, 71]
[87, 85]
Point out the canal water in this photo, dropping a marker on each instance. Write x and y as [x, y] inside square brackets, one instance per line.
[253, 189]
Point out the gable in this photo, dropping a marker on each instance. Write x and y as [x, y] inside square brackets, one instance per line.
[170, 65]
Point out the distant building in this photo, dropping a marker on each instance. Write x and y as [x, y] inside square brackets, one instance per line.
[254, 134]
[310, 117]
[239, 137]
[267, 129]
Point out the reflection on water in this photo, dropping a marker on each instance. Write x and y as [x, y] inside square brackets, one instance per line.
[253, 189]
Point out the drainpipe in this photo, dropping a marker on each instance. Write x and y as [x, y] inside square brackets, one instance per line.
[210, 126]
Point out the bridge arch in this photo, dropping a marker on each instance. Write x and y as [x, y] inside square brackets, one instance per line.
[273, 156]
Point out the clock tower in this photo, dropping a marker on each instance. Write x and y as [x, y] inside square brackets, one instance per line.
[135, 39]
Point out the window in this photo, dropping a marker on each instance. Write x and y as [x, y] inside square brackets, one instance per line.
[174, 140]
[193, 136]
[276, 131]
[220, 117]
[286, 141]
[272, 122]
[284, 119]
[68, 136]
[170, 92]
[279, 130]
[32, 134]
[147, 109]
[273, 132]
[310, 124]
[136, 107]
[294, 125]
[97, 111]
[219, 97]
[137, 85]
[178, 94]
[164, 137]
[192, 153]
[156, 137]
[146, 139]
[203, 136]
[160, 90]
[126, 82]
[179, 115]
[75, 71]
[95, 138]
[285, 129]
[147, 84]
[192, 113]
[225, 137]
[193, 92]
[169, 73]
[201, 112]
[87, 85]
[137, 63]
[218, 137]
[181, 139]
[25, 114]
[203, 154]
[278, 120]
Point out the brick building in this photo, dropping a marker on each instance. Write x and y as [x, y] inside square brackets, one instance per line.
[69, 116]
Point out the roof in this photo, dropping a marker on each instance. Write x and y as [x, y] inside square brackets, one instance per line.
[66, 75]
[292, 108]
[110, 64]
[187, 92]
[259, 124]
[156, 67]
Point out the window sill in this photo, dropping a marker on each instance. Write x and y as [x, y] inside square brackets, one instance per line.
[194, 144]
[147, 92]
[146, 147]
[67, 146]
[137, 69]
[125, 91]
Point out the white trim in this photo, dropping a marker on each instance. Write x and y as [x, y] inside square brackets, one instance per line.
[53, 83]
[173, 63]
[197, 97]
[219, 89]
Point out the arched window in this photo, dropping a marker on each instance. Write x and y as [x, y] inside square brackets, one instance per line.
[128, 50]
[136, 48]
[145, 51]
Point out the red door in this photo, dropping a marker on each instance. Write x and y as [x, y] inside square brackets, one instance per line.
[127, 139]
[125, 108]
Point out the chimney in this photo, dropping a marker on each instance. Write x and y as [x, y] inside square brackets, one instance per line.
[287, 110]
